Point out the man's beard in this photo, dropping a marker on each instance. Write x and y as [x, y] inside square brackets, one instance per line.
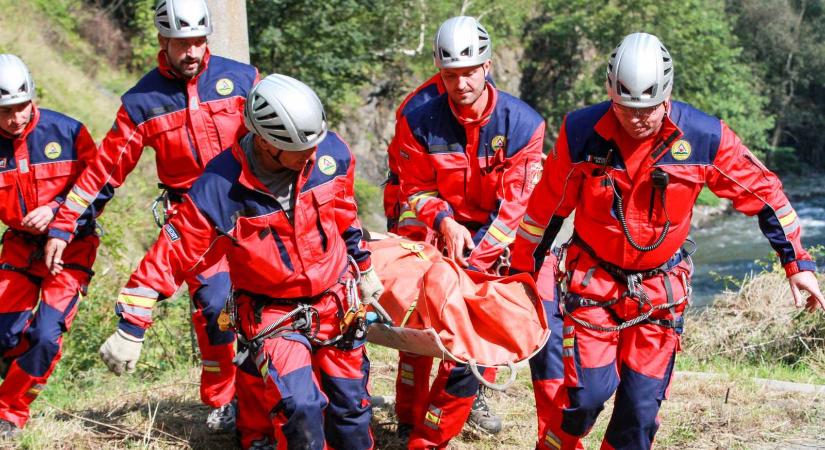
[188, 73]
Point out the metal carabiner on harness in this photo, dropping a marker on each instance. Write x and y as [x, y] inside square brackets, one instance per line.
[163, 201]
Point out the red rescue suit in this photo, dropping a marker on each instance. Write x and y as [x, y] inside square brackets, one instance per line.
[187, 123]
[651, 185]
[400, 219]
[481, 173]
[275, 263]
[37, 168]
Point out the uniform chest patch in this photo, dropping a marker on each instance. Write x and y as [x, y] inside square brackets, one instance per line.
[681, 150]
[224, 86]
[53, 150]
[327, 165]
[498, 143]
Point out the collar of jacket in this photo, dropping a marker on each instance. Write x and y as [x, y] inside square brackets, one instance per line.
[29, 127]
[248, 179]
[485, 116]
[167, 71]
[608, 127]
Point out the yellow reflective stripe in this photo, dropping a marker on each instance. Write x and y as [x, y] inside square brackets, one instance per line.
[552, 440]
[407, 215]
[532, 229]
[787, 220]
[77, 199]
[432, 418]
[499, 235]
[568, 342]
[136, 301]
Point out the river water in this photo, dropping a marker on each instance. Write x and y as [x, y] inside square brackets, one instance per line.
[731, 245]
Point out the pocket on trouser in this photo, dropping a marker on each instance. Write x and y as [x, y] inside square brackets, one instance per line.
[649, 349]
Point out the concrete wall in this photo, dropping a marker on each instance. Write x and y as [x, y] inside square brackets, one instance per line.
[230, 36]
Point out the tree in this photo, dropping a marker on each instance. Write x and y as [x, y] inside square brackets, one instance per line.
[568, 46]
[783, 43]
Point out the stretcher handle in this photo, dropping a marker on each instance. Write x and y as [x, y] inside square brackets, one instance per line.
[496, 387]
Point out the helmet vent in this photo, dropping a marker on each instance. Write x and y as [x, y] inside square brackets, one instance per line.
[4, 92]
[279, 127]
[22, 87]
[164, 23]
[650, 91]
[445, 53]
[202, 22]
[467, 52]
[667, 71]
[184, 23]
[623, 90]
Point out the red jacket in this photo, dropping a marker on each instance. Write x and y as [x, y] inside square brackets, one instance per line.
[228, 212]
[38, 167]
[692, 148]
[395, 204]
[481, 172]
[186, 122]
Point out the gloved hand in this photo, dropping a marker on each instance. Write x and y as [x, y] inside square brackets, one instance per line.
[121, 351]
[370, 286]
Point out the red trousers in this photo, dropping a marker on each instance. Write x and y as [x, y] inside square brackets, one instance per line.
[304, 395]
[635, 363]
[31, 343]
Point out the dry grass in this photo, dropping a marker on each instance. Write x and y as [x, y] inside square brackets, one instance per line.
[758, 324]
[722, 412]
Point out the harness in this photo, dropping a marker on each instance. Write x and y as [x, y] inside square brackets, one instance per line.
[635, 290]
[164, 201]
[304, 318]
[39, 244]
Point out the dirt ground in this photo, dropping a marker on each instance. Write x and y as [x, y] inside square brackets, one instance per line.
[711, 413]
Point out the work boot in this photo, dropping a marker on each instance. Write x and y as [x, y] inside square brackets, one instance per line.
[481, 416]
[9, 430]
[262, 444]
[222, 419]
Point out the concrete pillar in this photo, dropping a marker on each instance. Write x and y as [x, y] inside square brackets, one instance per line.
[230, 34]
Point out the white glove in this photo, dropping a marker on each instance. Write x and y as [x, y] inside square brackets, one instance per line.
[370, 286]
[121, 351]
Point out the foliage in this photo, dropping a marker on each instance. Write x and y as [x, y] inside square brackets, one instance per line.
[784, 42]
[343, 46]
[707, 198]
[567, 47]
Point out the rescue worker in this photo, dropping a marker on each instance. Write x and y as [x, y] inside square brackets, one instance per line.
[41, 152]
[413, 377]
[279, 205]
[188, 110]
[467, 161]
[632, 168]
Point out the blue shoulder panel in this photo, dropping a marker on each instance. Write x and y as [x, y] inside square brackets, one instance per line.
[331, 147]
[7, 161]
[513, 120]
[225, 78]
[579, 127]
[702, 132]
[423, 96]
[222, 199]
[434, 127]
[53, 138]
[154, 95]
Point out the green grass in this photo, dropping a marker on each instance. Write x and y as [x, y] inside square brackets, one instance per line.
[707, 198]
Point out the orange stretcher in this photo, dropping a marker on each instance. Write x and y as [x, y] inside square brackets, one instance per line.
[438, 309]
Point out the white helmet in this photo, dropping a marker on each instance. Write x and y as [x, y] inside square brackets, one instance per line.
[640, 72]
[286, 113]
[461, 42]
[16, 82]
[182, 18]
